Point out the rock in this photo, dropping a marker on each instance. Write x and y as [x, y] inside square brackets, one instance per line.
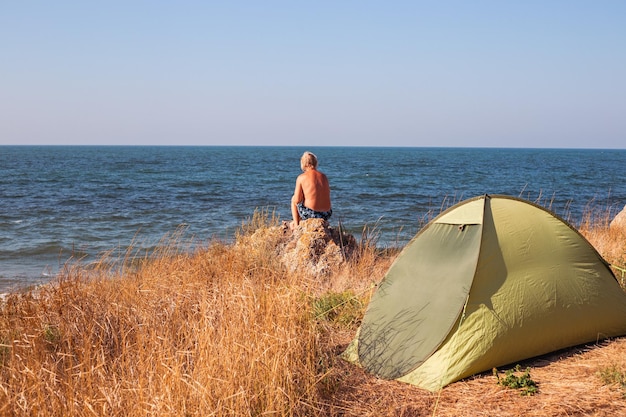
[313, 247]
[316, 247]
[619, 222]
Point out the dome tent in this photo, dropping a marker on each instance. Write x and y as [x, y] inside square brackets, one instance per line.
[490, 281]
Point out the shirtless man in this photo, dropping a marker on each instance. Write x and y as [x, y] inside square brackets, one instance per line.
[311, 199]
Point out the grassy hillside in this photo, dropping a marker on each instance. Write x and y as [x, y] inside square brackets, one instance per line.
[227, 330]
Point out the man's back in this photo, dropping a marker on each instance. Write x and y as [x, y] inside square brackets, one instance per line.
[316, 190]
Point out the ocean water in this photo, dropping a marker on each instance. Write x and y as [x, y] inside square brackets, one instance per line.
[77, 202]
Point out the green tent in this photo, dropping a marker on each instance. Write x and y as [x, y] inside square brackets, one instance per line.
[490, 281]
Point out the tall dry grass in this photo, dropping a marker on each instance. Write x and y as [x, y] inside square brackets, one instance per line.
[223, 330]
[610, 243]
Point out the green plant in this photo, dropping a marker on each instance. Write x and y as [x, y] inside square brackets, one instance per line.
[342, 308]
[51, 334]
[614, 375]
[517, 379]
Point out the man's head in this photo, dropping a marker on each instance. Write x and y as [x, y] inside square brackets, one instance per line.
[308, 160]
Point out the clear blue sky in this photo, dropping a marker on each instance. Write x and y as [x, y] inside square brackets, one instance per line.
[372, 73]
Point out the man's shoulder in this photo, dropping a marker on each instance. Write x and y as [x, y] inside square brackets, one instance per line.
[321, 174]
[311, 174]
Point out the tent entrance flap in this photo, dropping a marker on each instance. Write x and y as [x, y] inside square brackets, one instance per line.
[420, 299]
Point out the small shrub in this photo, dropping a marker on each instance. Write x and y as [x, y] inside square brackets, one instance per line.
[51, 334]
[516, 379]
[614, 375]
[343, 308]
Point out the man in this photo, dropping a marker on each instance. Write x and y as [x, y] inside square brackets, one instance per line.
[311, 198]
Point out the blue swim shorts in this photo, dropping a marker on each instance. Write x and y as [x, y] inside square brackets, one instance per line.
[307, 213]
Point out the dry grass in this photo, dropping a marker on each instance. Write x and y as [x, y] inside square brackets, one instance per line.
[611, 243]
[226, 330]
[221, 332]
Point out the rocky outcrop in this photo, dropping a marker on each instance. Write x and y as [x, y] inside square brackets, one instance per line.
[619, 222]
[316, 247]
[313, 247]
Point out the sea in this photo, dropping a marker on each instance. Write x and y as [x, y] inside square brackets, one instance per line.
[60, 205]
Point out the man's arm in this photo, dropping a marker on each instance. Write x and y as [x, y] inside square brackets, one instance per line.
[298, 196]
